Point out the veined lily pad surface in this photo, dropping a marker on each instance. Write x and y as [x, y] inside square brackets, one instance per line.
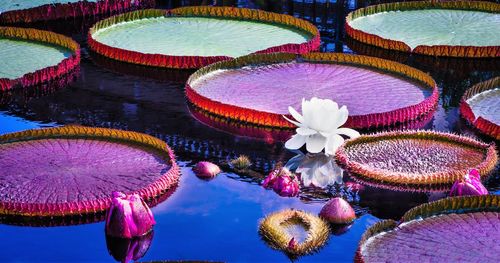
[72, 170]
[433, 27]
[438, 231]
[260, 88]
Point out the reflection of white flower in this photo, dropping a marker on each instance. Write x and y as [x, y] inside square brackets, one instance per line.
[319, 170]
[319, 126]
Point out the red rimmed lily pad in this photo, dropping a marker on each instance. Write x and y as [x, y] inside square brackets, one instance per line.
[438, 231]
[259, 88]
[416, 158]
[72, 170]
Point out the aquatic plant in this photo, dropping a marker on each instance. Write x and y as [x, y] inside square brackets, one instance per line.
[134, 162]
[65, 66]
[129, 216]
[416, 158]
[311, 43]
[319, 126]
[469, 185]
[50, 11]
[206, 169]
[241, 163]
[273, 230]
[338, 211]
[429, 233]
[479, 107]
[412, 40]
[283, 182]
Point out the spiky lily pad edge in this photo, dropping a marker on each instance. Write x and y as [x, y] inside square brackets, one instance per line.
[267, 119]
[437, 179]
[168, 180]
[67, 10]
[484, 126]
[272, 232]
[190, 62]
[46, 74]
[457, 205]
[437, 50]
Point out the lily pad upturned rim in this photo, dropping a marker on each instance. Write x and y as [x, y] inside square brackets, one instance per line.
[271, 231]
[483, 125]
[46, 74]
[438, 179]
[436, 50]
[269, 119]
[450, 205]
[153, 190]
[187, 62]
[65, 10]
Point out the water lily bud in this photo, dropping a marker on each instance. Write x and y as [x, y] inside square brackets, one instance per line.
[283, 182]
[338, 211]
[469, 185]
[129, 216]
[206, 170]
[292, 244]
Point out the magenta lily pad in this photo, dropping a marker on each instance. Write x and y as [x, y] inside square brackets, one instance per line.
[258, 89]
[416, 158]
[459, 229]
[72, 170]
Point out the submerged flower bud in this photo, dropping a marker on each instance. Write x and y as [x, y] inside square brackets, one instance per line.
[206, 170]
[283, 182]
[469, 185]
[338, 211]
[129, 216]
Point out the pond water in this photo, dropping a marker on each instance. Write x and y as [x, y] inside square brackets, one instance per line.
[213, 220]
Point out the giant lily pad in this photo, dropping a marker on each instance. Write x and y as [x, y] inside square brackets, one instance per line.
[480, 106]
[449, 28]
[274, 230]
[192, 37]
[416, 158]
[73, 170]
[458, 229]
[259, 88]
[26, 11]
[31, 56]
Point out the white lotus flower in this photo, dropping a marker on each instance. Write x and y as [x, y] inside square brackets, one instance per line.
[319, 169]
[319, 126]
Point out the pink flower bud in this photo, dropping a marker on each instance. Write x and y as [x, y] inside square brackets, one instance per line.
[129, 216]
[206, 170]
[292, 244]
[283, 182]
[469, 185]
[338, 211]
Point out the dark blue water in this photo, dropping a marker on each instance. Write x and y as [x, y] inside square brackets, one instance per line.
[211, 220]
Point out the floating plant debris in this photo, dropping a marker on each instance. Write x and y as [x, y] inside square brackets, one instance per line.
[241, 163]
[273, 231]
[72, 170]
[480, 106]
[259, 88]
[457, 229]
[13, 11]
[31, 56]
[192, 37]
[437, 28]
[416, 158]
